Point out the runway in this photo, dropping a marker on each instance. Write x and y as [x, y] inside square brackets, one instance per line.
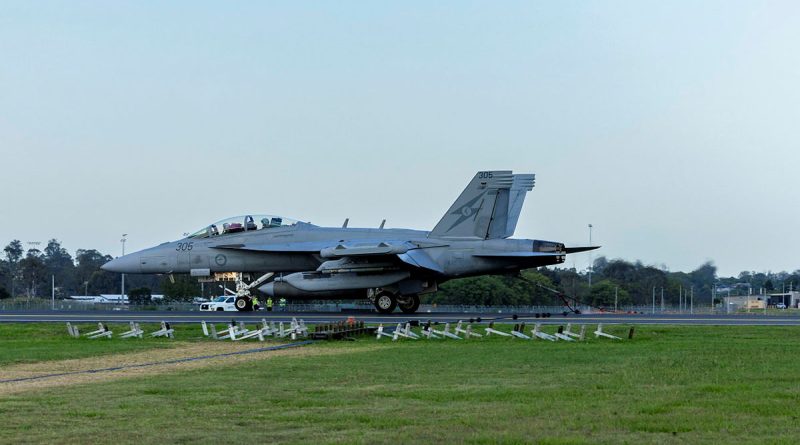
[374, 318]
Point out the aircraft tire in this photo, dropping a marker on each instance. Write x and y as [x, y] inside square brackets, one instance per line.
[411, 305]
[385, 302]
[243, 304]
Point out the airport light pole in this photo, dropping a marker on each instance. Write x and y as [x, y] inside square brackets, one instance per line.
[122, 295]
[34, 246]
[591, 264]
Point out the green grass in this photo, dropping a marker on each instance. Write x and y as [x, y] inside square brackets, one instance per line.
[668, 385]
[36, 342]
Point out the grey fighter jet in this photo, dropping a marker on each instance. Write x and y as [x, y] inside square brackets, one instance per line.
[390, 267]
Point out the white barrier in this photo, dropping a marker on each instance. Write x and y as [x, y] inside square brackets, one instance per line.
[135, 331]
[73, 330]
[599, 333]
[491, 330]
[101, 332]
[165, 331]
[519, 332]
[466, 332]
[537, 332]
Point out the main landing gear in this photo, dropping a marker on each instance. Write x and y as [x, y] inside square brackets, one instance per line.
[386, 302]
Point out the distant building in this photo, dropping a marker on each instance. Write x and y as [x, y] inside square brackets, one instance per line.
[735, 303]
[108, 298]
[790, 299]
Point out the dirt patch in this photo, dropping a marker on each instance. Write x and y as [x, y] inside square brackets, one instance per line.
[180, 351]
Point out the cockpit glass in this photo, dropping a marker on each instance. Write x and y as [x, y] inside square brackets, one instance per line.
[245, 223]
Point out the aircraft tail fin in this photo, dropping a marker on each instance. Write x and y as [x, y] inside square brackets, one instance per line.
[488, 208]
[522, 185]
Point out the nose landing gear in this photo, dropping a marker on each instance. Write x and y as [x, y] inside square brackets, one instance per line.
[244, 302]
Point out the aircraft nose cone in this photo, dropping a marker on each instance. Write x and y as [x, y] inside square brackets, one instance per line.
[124, 264]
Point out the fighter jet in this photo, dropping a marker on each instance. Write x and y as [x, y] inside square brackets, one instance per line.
[390, 267]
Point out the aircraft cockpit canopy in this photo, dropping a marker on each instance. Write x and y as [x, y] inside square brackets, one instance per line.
[245, 223]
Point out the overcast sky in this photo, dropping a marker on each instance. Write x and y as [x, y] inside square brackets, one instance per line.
[672, 127]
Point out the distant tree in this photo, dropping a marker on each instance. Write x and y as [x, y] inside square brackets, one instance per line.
[60, 265]
[33, 272]
[13, 253]
[139, 296]
[769, 286]
[599, 265]
[89, 275]
[603, 294]
[183, 289]
[703, 278]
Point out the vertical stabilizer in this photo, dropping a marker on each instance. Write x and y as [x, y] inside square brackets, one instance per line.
[471, 214]
[522, 185]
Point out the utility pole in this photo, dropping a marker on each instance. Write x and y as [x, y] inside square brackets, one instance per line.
[53, 290]
[122, 295]
[34, 245]
[616, 290]
[654, 300]
[662, 300]
[691, 301]
[591, 263]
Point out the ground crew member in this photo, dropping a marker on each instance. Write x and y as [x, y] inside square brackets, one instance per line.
[282, 304]
[255, 303]
[269, 303]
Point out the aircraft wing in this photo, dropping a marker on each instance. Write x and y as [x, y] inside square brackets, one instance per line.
[524, 254]
[324, 248]
[373, 252]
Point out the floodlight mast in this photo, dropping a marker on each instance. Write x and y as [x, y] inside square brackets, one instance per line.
[591, 259]
[122, 295]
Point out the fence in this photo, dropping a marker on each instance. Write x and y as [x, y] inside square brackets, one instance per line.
[40, 304]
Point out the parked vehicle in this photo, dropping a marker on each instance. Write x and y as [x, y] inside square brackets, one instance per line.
[222, 303]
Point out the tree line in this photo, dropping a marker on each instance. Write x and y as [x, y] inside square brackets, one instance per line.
[29, 273]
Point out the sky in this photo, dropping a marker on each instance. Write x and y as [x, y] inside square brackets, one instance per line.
[671, 127]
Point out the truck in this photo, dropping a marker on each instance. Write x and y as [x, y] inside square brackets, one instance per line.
[221, 303]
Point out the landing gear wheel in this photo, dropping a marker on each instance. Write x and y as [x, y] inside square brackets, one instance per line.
[408, 303]
[243, 304]
[385, 303]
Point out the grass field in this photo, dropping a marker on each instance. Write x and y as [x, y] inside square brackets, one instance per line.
[35, 342]
[668, 385]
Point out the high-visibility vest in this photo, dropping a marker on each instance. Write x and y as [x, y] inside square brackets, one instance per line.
[255, 302]
[269, 302]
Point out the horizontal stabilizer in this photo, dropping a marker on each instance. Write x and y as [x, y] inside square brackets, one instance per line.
[581, 249]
